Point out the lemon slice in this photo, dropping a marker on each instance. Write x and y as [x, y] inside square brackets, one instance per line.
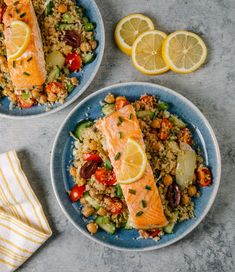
[18, 40]
[147, 53]
[184, 51]
[129, 28]
[133, 163]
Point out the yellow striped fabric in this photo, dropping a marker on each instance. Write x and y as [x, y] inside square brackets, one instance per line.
[23, 225]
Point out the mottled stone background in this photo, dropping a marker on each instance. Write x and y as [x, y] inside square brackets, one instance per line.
[212, 88]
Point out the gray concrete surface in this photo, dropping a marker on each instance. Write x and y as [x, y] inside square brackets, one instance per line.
[212, 88]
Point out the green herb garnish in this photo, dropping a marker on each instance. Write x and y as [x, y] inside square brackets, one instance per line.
[29, 59]
[108, 165]
[4, 52]
[26, 74]
[147, 187]
[22, 15]
[25, 96]
[119, 134]
[17, 11]
[130, 117]
[144, 203]
[14, 64]
[119, 120]
[139, 213]
[117, 156]
[131, 191]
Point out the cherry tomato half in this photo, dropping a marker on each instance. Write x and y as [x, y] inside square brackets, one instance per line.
[76, 193]
[2, 11]
[204, 177]
[55, 87]
[91, 157]
[104, 176]
[114, 205]
[73, 61]
[166, 126]
[186, 136]
[121, 102]
[25, 104]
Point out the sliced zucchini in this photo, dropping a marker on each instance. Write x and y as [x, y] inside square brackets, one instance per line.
[68, 19]
[64, 26]
[128, 224]
[143, 114]
[88, 58]
[91, 201]
[54, 74]
[169, 228]
[81, 127]
[104, 223]
[176, 121]
[163, 106]
[55, 58]
[70, 87]
[108, 108]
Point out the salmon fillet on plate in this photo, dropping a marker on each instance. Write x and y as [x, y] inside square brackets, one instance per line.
[144, 190]
[27, 68]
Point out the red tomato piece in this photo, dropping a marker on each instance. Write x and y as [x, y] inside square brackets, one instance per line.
[2, 11]
[204, 176]
[77, 192]
[25, 104]
[153, 233]
[165, 129]
[114, 205]
[185, 136]
[55, 87]
[73, 61]
[91, 157]
[121, 102]
[104, 176]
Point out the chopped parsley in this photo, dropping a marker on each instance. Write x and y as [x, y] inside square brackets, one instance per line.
[147, 187]
[22, 15]
[144, 203]
[130, 117]
[17, 11]
[117, 156]
[29, 59]
[119, 134]
[26, 74]
[14, 64]
[139, 213]
[119, 120]
[131, 191]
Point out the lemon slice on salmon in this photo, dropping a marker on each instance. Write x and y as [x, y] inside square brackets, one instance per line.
[133, 164]
[19, 39]
[184, 52]
[129, 28]
[147, 53]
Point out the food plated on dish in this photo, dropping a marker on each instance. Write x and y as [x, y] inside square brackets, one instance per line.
[144, 170]
[46, 55]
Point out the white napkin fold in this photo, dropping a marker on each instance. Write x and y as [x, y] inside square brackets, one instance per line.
[23, 225]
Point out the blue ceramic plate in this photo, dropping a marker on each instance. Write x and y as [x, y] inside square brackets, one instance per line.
[90, 108]
[85, 76]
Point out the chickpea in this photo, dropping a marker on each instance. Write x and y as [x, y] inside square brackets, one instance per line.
[73, 171]
[185, 199]
[167, 180]
[35, 93]
[92, 227]
[109, 99]
[43, 99]
[192, 190]
[88, 211]
[102, 211]
[156, 123]
[157, 146]
[85, 47]
[62, 8]
[52, 97]
[93, 44]
[74, 81]
[83, 200]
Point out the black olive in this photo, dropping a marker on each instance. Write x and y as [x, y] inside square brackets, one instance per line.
[88, 169]
[72, 38]
[173, 195]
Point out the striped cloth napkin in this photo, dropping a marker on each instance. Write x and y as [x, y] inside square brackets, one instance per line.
[23, 225]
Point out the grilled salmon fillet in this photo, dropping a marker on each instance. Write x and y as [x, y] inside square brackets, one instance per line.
[28, 69]
[152, 216]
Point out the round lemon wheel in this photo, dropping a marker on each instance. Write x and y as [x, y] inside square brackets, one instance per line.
[19, 39]
[147, 53]
[129, 28]
[133, 164]
[184, 52]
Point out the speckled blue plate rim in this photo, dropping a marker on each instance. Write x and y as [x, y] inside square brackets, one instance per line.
[216, 182]
[83, 89]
